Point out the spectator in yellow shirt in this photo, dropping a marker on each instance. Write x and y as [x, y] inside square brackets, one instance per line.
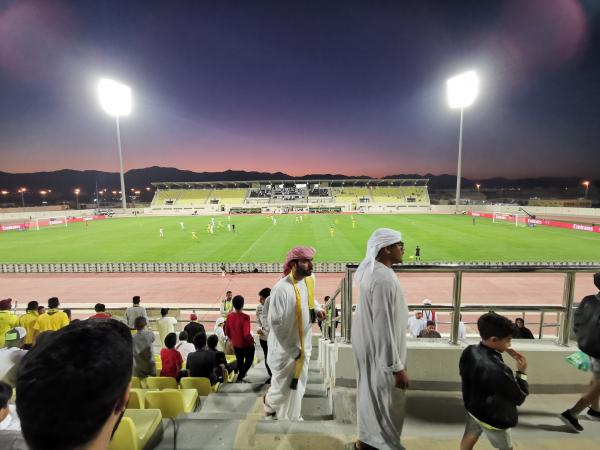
[53, 319]
[7, 319]
[28, 321]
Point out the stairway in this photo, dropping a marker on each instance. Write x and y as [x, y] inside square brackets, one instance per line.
[233, 418]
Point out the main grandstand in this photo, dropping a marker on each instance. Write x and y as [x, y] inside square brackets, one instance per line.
[326, 195]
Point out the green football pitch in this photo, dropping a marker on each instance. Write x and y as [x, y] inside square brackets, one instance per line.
[257, 239]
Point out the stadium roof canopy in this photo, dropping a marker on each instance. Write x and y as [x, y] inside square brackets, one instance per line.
[359, 182]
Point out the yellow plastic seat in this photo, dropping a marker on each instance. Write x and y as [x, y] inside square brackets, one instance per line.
[215, 387]
[136, 398]
[201, 384]
[125, 437]
[161, 383]
[172, 402]
[147, 422]
[135, 382]
[230, 358]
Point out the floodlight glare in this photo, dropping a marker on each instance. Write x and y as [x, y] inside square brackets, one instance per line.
[462, 89]
[115, 98]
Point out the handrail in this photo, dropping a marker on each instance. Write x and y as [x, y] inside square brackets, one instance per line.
[569, 269]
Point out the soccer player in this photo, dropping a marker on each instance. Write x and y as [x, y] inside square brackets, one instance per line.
[418, 253]
[161, 232]
[182, 226]
[331, 230]
[353, 224]
[194, 237]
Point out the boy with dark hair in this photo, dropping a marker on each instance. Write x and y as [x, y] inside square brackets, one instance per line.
[73, 386]
[202, 362]
[100, 309]
[9, 421]
[171, 358]
[491, 393]
[53, 319]
[237, 329]
[143, 357]
[133, 312]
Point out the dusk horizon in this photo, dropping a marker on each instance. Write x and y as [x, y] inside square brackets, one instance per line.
[346, 87]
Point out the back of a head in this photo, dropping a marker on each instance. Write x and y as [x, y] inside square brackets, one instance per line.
[183, 336]
[32, 305]
[200, 341]
[53, 302]
[430, 323]
[597, 280]
[5, 394]
[237, 302]
[265, 292]
[136, 300]
[170, 340]
[212, 341]
[99, 307]
[140, 323]
[164, 311]
[494, 325]
[71, 382]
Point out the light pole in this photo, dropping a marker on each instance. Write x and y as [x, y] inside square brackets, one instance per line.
[587, 188]
[22, 191]
[115, 99]
[462, 92]
[477, 186]
[77, 191]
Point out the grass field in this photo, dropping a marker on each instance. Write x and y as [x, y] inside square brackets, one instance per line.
[256, 239]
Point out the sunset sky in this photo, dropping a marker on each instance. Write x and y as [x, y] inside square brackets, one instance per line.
[352, 87]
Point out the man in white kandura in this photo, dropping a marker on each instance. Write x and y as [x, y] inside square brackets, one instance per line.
[379, 344]
[290, 337]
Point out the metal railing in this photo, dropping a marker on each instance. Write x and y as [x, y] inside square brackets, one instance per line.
[564, 311]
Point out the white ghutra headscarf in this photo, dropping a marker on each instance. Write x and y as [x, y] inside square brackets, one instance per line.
[381, 238]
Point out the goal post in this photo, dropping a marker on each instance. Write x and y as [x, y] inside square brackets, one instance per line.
[51, 222]
[518, 220]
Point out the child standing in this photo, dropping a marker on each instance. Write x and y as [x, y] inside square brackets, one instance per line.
[491, 393]
[171, 358]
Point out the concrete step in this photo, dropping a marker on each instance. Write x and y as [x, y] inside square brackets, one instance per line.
[315, 390]
[243, 388]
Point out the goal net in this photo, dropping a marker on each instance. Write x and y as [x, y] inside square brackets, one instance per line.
[60, 221]
[518, 220]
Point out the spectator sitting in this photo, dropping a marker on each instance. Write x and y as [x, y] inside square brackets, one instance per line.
[171, 358]
[416, 324]
[73, 387]
[28, 321]
[166, 325]
[183, 346]
[143, 357]
[53, 319]
[237, 328]
[9, 420]
[193, 328]
[220, 359]
[522, 332]
[100, 309]
[7, 319]
[202, 362]
[430, 331]
[133, 312]
[12, 354]
[218, 330]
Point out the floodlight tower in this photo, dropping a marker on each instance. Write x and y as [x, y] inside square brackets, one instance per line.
[587, 188]
[462, 92]
[115, 99]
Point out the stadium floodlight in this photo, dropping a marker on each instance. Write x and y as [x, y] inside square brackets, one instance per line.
[587, 188]
[462, 92]
[22, 191]
[77, 191]
[115, 99]
[478, 186]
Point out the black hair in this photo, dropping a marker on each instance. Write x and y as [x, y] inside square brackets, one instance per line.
[183, 336]
[67, 312]
[32, 305]
[99, 307]
[53, 302]
[518, 319]
[212, 341]
[86, 369]
[430, 322]
[200, 341]
[136, 300]
[237, 302]
[5, 394]
[164, 311]
[229, 292]
[597, 279]
[139, 323]
[494, 325]
[170, 340]
[265, 292]
[40, 308]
